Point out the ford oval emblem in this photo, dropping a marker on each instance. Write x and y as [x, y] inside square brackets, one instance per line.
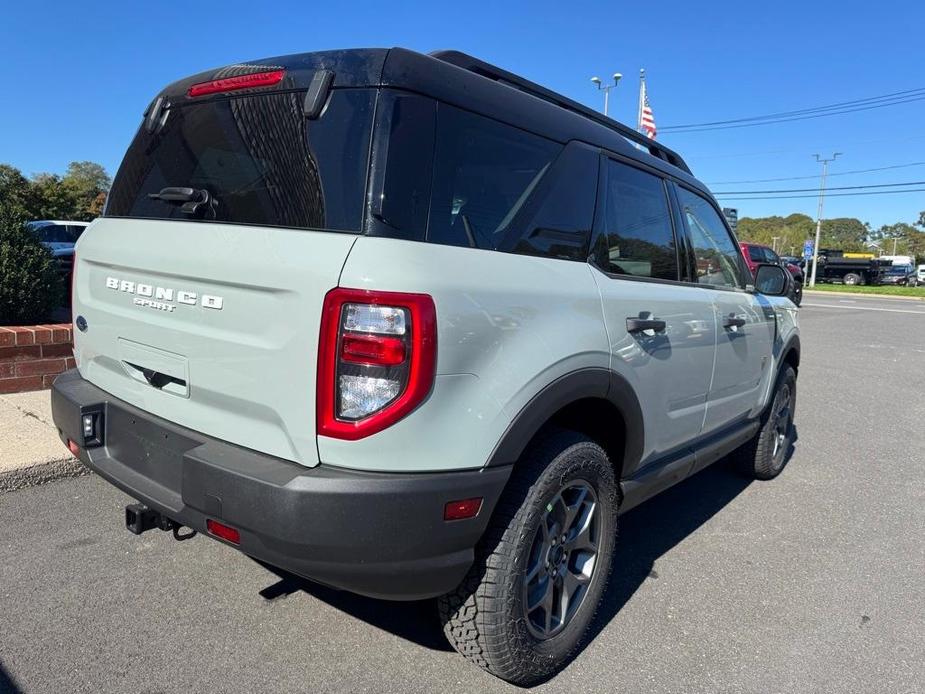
[81, 324]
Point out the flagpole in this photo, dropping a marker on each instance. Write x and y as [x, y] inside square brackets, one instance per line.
[642, 91]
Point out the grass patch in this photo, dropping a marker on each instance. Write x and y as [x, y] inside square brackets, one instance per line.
[917, 292]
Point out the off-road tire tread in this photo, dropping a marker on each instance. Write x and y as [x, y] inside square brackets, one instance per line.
[756, 458]
[473, 614]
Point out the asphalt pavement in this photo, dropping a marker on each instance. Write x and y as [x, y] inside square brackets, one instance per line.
[814, 582]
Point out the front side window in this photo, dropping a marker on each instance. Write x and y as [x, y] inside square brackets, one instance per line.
[484, 173]
[715, 252]
[637, 236]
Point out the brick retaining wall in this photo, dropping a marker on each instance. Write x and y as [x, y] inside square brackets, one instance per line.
[32, 355]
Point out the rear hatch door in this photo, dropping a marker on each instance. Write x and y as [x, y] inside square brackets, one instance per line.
[210, 318]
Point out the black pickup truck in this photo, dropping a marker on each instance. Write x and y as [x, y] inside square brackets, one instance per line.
[833, 266]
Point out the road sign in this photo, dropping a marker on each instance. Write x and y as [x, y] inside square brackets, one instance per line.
[807, 249]
[732, 217]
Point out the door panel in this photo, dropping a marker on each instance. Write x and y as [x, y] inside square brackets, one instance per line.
[671, 370]
[636, 257]
[744, 328]
[742, 357]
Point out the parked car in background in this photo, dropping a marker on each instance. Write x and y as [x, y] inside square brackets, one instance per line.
[901, 275]
[59, 237]
[755, 254]
[920, 274]
[793, 260]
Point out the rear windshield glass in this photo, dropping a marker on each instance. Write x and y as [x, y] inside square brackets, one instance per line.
[260, 160]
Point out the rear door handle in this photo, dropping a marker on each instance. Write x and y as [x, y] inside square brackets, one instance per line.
[734, 321]
[636, 325]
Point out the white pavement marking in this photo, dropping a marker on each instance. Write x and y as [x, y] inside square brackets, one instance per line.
[865, 308]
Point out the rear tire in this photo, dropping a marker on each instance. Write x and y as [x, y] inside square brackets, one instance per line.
[498, 616]
[765, 456]
[852, 279]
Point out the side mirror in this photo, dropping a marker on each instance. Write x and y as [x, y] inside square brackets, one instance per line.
[772, 280]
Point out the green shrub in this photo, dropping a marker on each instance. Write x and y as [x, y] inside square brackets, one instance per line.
[30, 285]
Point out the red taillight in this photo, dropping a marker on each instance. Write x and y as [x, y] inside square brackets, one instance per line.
[376, 359]
[464, 508]
[223, 531]
[73, 448]
[372, 349]
[230, 84]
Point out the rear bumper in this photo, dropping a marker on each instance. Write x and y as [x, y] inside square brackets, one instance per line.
[376, 534]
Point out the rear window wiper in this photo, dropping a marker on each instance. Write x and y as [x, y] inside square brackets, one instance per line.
[192, 199]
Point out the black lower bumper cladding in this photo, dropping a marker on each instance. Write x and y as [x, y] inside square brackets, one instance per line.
[377, 534]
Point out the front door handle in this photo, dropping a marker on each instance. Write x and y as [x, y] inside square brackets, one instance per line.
[636, 325]
[734, 321]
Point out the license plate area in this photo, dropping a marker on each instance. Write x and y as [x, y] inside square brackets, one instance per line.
[150, 450]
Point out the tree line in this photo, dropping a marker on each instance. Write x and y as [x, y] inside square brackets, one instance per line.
[32, 286]
[843, 233]
[78, 195]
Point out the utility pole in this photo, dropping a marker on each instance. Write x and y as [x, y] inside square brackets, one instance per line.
[791, 250]
[774, 240]
[894, 245]
[825, 167]
[606, 89]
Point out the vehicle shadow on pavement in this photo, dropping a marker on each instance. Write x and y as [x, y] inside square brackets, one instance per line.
[414, 621]
[645, 534]
[656, 526]
[7, 684]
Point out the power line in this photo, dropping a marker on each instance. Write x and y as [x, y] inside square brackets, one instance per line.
[805, 190]
[833, 195]
[802, 178]
[676, 131]
[894, 95]
[879, 140]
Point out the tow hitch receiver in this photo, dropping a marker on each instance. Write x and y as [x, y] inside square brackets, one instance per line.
[139, 518]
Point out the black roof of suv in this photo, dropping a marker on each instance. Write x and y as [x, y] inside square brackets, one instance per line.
[458, 79]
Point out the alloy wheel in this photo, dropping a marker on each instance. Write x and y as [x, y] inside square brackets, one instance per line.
[562, 559]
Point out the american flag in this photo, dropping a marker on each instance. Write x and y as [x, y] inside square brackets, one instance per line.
[646, 117]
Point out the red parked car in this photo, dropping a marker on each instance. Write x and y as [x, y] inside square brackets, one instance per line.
[755, 254]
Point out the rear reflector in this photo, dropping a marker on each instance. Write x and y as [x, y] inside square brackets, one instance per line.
[464, 508]
[73, 448]
[223, 531]
[230, 84]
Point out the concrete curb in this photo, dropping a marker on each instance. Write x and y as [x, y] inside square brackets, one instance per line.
[33, 475]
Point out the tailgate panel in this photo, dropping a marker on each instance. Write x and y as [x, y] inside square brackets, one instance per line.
[236, 309]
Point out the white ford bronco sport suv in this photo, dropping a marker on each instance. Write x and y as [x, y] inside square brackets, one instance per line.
[412, 326]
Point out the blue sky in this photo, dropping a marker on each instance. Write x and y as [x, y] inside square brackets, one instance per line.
[77, 76]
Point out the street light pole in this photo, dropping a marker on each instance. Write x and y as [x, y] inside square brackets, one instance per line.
[606, 89]
[825, 167]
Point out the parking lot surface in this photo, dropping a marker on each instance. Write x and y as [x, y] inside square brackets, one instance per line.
[814, 582]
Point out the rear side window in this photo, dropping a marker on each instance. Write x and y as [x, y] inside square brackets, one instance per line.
[259, 158]
[637, 236]
[756, 254]
[484, 173]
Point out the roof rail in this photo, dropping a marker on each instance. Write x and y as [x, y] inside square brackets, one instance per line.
[480, 67]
